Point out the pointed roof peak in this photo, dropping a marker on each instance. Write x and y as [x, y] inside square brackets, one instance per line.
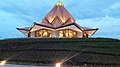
[59, 3]
[59, 15]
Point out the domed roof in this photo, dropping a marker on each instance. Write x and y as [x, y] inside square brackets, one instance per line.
[59, 4]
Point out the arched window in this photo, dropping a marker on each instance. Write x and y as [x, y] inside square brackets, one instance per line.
[68, 33]
[43, 33]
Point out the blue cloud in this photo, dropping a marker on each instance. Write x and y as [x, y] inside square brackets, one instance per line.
[108, 26]
[104, 14]
[9, 23]
[91, 8]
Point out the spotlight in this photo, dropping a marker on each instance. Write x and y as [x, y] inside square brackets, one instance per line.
[58, 65]
[2, 62]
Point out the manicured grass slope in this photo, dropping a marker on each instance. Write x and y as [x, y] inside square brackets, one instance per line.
[99, 51]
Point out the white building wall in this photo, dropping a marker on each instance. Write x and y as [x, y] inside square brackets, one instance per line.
[55, 34]
[32, 34]
[79, 34]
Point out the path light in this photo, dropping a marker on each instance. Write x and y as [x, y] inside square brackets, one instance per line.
[58, 65]
[2, 62]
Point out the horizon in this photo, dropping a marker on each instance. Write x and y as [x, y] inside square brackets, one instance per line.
[102, 14]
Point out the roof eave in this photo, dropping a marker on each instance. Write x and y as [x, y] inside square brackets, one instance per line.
[21, 31]
[95, 31]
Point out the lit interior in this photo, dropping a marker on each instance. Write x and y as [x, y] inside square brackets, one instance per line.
[85, 35]
[68, 33]
[43, 33]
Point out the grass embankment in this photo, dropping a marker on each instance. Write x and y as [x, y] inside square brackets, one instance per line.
[99, 51]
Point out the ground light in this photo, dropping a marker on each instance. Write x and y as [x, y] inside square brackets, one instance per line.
[68, 58]
[2, 62]
[58, 65]
[64, 60]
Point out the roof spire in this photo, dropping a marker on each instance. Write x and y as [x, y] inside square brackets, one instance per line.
[59, 3]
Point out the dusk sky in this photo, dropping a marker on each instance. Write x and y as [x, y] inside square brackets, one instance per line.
[102, 14]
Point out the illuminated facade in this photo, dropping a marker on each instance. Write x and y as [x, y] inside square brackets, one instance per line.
[58, 23]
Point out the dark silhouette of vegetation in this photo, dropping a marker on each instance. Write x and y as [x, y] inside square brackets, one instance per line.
[46, 51]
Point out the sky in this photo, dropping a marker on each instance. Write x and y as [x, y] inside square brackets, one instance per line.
[102, 14]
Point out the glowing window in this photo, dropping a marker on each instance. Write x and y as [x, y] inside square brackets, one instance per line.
[43, 33]
[67, 33]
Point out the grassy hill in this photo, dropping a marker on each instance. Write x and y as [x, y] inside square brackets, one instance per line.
[47, 51]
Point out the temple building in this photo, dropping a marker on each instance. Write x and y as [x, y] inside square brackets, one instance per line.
[58, 23]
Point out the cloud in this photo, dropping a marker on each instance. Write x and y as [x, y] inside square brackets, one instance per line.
[115, 6]
[113, 10]
[108, 26]
[8, 24]
[35, 9]
[104, 14]
[82, 9]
